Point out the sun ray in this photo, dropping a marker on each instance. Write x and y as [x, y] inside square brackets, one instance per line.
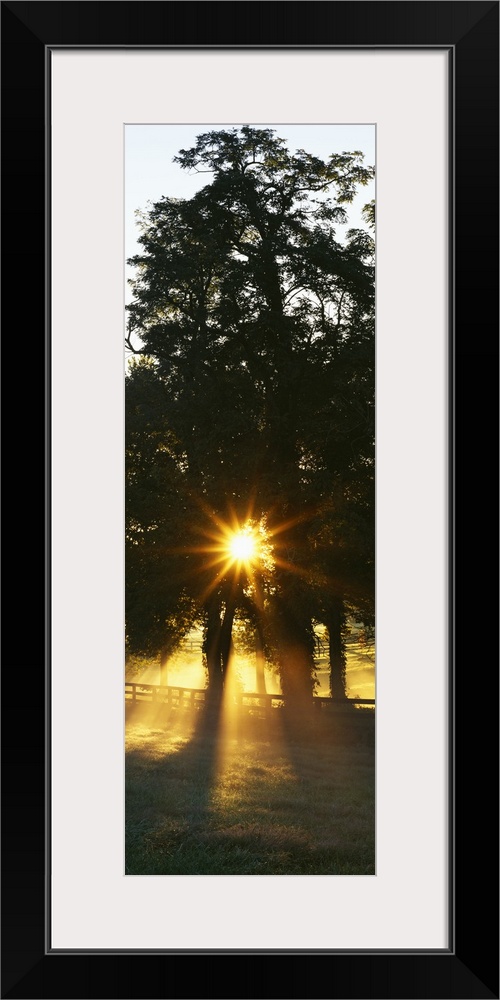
[292, 567]
[215, 581]
[291, 522]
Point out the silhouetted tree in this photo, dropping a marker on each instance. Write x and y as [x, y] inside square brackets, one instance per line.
[260, 324]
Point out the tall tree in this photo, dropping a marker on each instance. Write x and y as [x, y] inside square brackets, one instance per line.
[260, 323]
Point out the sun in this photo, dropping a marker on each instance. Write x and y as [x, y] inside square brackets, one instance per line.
[242, 546]
[241, 551]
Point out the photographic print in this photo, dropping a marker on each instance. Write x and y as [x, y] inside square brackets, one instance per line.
[250, 499]
[70, 85]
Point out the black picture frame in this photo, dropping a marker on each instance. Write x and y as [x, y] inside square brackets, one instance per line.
[469, 969]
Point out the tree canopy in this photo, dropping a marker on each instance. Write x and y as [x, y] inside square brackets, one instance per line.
[251, 404]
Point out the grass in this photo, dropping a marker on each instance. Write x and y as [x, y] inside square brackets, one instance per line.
[251, 798]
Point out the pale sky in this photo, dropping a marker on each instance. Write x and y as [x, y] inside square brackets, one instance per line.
[150, 173]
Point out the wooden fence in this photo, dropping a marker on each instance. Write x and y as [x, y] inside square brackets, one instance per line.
[194, 698]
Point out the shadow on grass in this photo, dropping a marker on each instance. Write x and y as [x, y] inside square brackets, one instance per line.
[212, 794]
[332, 751]
[175, 745]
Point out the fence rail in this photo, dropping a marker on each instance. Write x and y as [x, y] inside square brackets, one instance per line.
[182, 697]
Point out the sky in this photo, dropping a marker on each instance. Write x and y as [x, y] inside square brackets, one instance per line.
[150, 173]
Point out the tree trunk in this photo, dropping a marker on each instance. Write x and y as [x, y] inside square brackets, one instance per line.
[255, 608]
[260, 677]
[226, 634]
[164, 658]
[213, 649]
[295, 644]
[336, 627]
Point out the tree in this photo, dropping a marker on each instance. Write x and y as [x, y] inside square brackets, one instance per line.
[260, 325]
[159, 608]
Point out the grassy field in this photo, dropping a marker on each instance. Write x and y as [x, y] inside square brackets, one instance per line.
[248, 796]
